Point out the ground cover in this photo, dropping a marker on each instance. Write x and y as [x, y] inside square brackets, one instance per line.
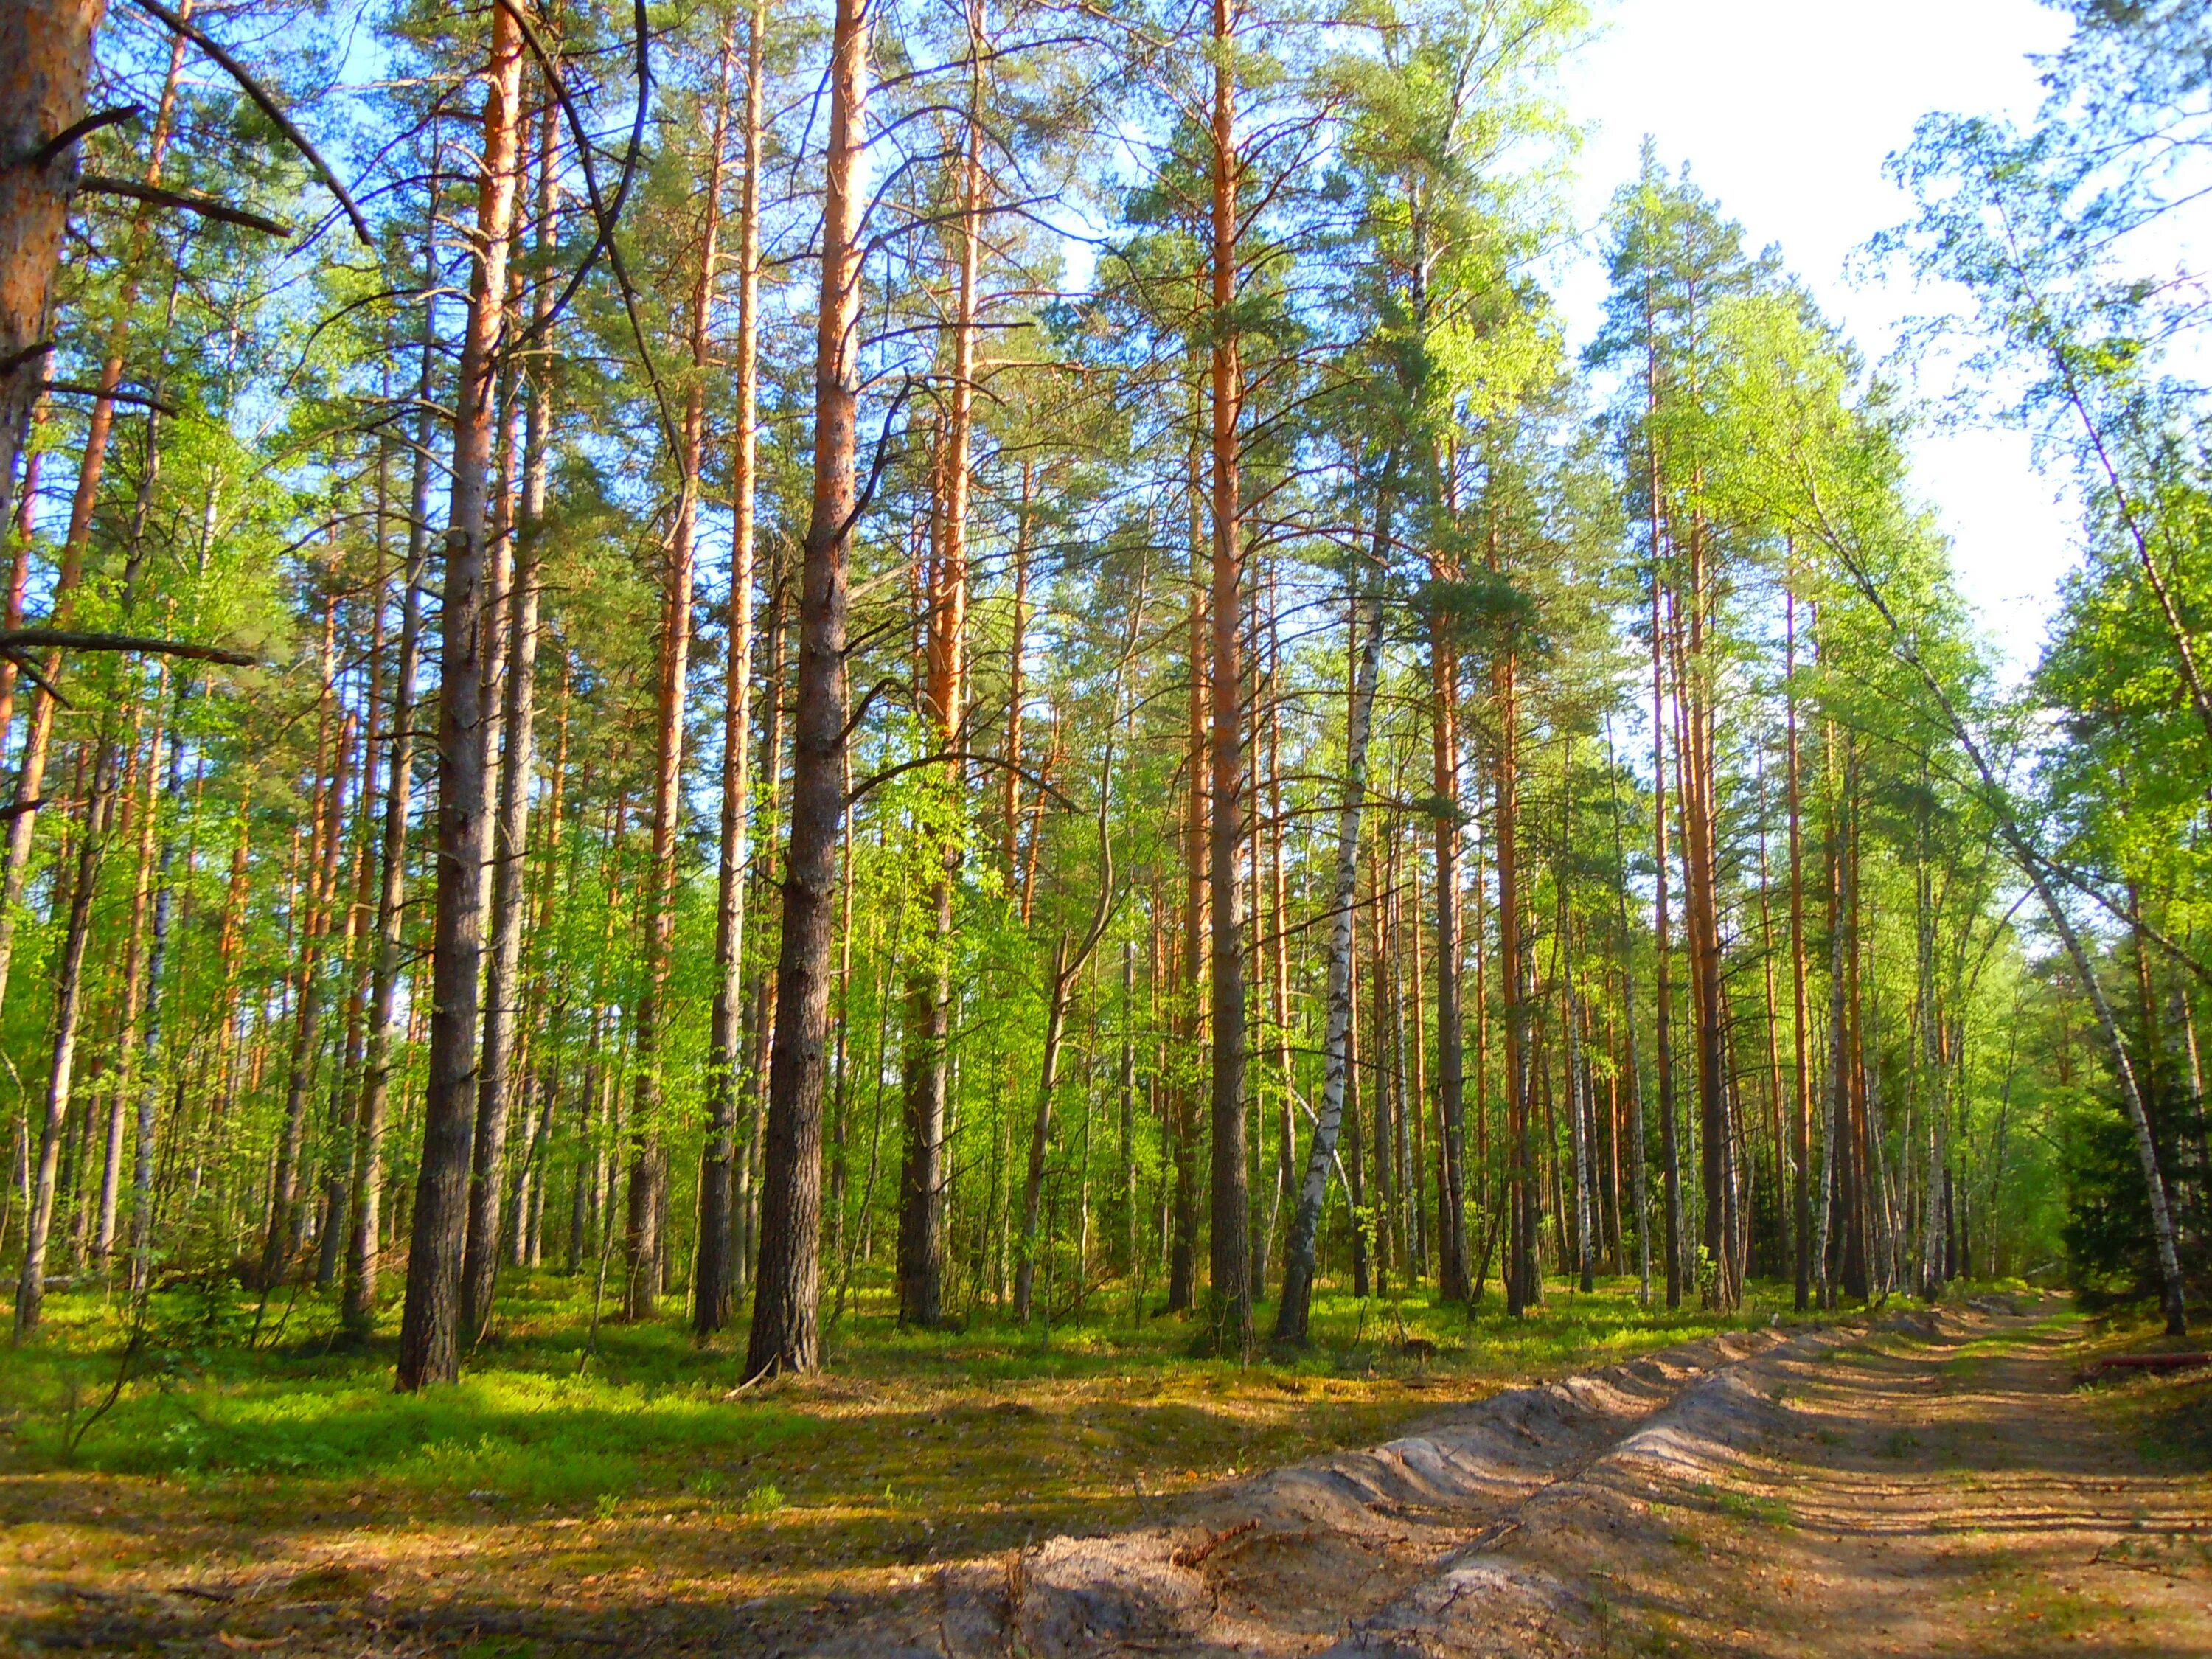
[588, 1471]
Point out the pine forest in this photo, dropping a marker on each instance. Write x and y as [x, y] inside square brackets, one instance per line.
[811, 809]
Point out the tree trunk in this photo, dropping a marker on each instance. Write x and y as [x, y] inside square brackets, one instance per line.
[149, 1054]
[1300, 1251]
[1183, 1266]
[2032, 865]
[45, 65]
[68, 1002]
[929, 989]
[1639, 1177]
[644, 1245]
[429, 1348]
[326, 852]
[1523, 1287]
[1452, 1281]
[1231, 1218]
[134, 983]
[359, 1293]
[518, 718]
[785, 1334]
[1056, 1027]
[1017, 650]
[1802, 1075]
[338, 1162]
[713, 1298]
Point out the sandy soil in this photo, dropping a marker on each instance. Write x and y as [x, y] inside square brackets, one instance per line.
[1929, 1484]
[1935, 1484]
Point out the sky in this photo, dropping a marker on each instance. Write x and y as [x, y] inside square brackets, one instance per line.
[1784, 111]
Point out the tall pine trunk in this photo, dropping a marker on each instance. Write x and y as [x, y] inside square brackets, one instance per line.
[929, 989]
[646, 1244]
[1231, 1217]
[1801, 1068]
[358, 1296]
[1452, 1270]
[68, 1008]
[429, 1344]
[714, 1286]
[785, 1334]
[510, 896]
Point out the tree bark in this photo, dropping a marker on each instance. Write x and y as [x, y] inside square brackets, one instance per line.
[46, 65]
[1452, 1268]
[68, 1003]
[785, 1334]
[929, 990]
[325, 856]
[1639, 1178]
[1801, 1073]
[518, 717]
[1230, 1219]
[358, 1296]
[429, 1348]
[644, 1245]
[149, 1054]
[713, 1296]
[1300, 1252]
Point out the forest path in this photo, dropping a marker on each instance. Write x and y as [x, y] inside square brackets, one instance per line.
[1937, 1485]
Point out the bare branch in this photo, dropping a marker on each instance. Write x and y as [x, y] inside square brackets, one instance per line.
[268, 105]
[15, 641]
[206, 206]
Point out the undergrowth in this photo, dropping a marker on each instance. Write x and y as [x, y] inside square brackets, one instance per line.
[912, 1445]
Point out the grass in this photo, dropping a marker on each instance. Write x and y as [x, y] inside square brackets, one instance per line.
[558, 1468]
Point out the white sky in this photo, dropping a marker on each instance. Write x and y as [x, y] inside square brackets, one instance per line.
[1784, 110]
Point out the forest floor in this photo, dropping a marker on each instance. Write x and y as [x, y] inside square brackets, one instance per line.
[1924, 1483]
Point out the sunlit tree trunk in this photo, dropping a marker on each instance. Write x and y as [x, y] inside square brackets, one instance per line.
[429, 1347]
[714, 1286]
[1231, 1217]
[510, 888]
[324, 854]
[1802, 1077]
[785, 1334]
[1571, 1033]
[46, 65]
[761, 1032]
[645, 1244]
[1286, 1175]
[1663, 1019]
[1010, 783]
[1381, 1125]
[922, 1177]
[1521, 1287]
[146, 764]
[150, 1079]
[1182, 1264]
[1300, 1252]
[359, 1293]
[68, 1007]
[1638, 1154]
[360, 911]
[1452, 1282]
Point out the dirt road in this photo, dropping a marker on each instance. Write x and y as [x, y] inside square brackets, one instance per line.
[1935, 1485]
[1929, 1483]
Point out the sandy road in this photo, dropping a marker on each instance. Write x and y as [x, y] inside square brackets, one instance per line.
[1935, 1485]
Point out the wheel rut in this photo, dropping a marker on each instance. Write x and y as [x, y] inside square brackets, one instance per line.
[1356, 1552]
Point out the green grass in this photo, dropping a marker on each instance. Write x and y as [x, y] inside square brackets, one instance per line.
[543, 1417]
[558, 1460]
